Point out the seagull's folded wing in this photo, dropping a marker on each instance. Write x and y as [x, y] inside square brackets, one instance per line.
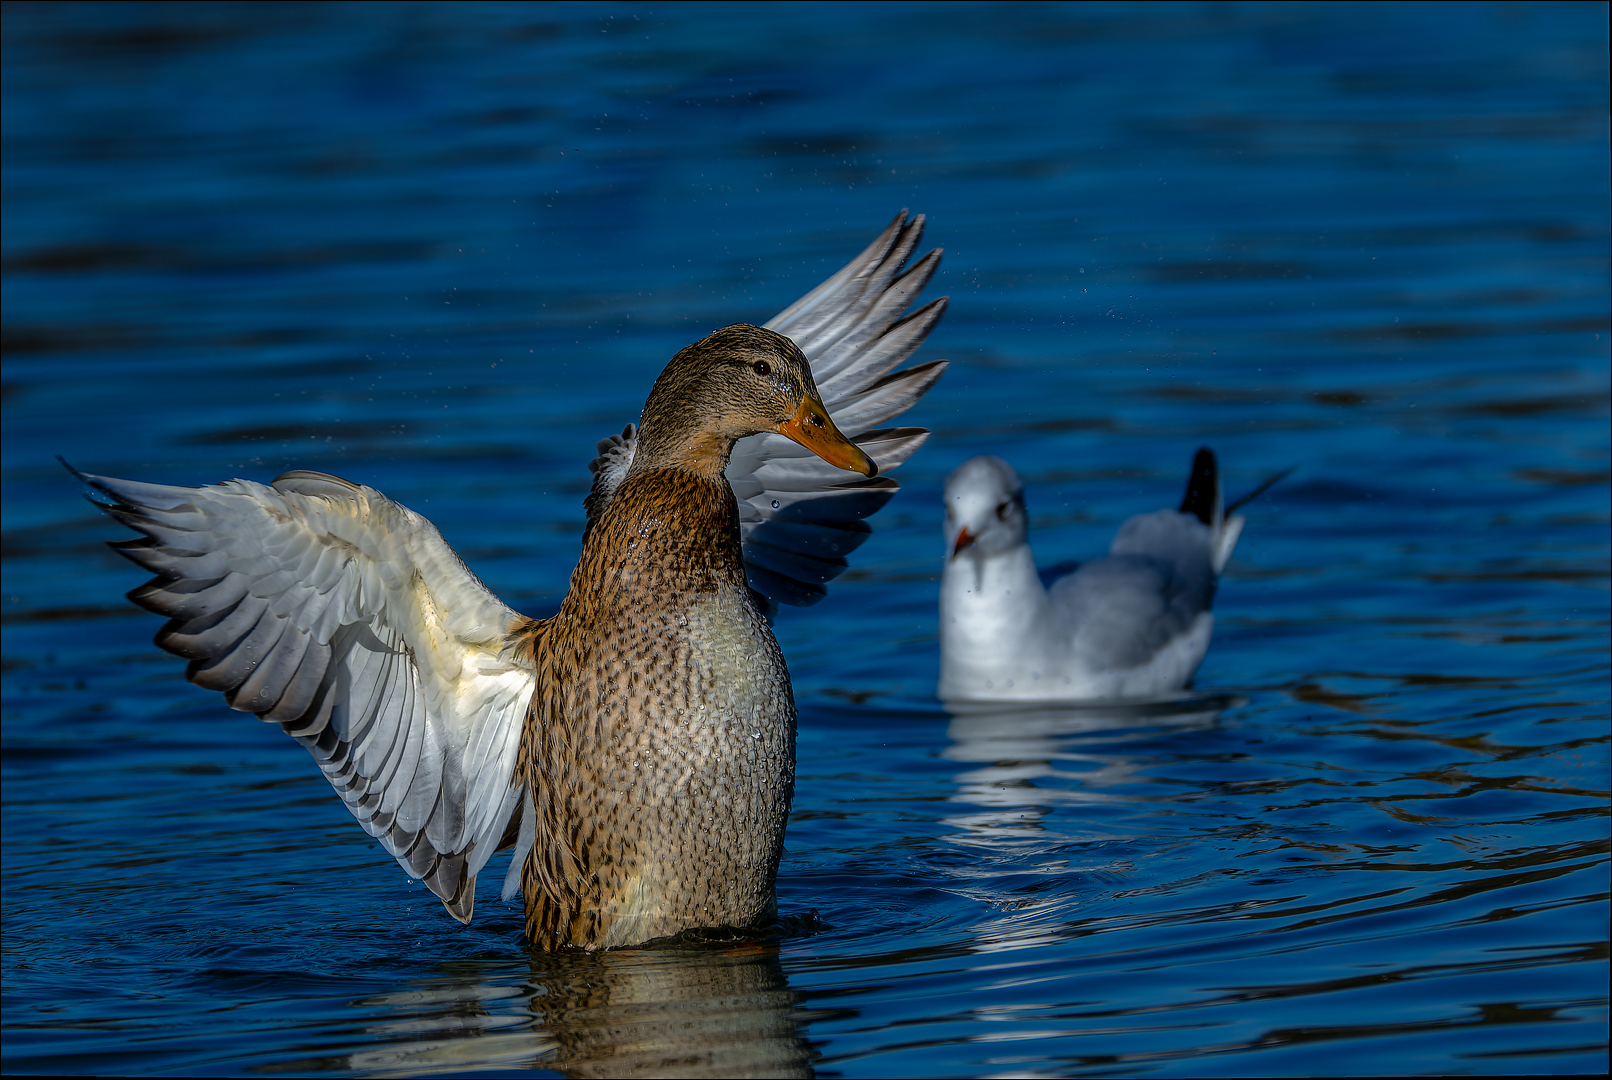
[344, 617]
[798, 514]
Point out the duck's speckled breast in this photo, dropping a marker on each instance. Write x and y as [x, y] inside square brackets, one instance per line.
[664, 741]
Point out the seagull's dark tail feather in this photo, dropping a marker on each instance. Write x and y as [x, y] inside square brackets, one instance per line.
[1203, 487]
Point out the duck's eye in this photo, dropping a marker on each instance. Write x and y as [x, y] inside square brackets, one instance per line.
[762, 367]
[1002, 509]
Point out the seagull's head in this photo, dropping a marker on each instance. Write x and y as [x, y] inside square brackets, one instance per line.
[984, 509]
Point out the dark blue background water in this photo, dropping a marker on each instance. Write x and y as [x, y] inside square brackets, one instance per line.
[443, 249]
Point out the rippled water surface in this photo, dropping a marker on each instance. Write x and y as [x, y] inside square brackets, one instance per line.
[443, 249]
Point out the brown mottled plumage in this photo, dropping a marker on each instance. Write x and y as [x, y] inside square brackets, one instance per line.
[660, 744]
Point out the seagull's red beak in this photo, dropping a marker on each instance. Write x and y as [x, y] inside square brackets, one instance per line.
[964, 539]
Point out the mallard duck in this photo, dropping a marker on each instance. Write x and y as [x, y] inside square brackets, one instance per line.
[1133, 625]
[638, 747]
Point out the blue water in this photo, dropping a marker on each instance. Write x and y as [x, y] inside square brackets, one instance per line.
[443, 249]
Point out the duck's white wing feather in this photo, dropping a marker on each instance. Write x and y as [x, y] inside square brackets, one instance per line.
[799, 516]
[344, 617]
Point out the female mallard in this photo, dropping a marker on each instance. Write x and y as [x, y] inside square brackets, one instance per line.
[645, 733]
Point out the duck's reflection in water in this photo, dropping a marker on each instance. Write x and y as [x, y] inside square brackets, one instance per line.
[1037, 756]
[676, 1011]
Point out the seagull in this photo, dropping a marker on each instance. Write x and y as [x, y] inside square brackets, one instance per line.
[1134, 625]
[636, 749]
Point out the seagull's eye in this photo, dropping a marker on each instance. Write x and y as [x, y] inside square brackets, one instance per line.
[1002, 509]
[762, 367]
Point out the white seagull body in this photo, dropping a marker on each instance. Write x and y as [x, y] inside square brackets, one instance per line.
[1134, 625]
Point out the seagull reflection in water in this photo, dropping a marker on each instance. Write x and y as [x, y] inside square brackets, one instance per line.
[1033, 758]
[1036, 757]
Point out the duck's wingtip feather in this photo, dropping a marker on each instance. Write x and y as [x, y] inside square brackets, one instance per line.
[463, 907]
[95, 489]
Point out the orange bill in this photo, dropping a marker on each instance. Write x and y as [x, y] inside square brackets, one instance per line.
[813, 429]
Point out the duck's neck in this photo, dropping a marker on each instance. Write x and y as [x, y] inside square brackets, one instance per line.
[667, 533]
[691, 451]
[674, 434]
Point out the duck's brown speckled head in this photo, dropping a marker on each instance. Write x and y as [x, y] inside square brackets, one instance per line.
[734, 382]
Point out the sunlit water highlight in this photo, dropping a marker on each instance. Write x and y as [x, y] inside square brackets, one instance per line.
[442, 250]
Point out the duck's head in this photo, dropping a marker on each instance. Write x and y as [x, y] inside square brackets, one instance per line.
[737, 381]
[984, 508]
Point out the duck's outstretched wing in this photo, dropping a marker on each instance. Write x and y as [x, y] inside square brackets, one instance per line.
[798, 515]
[324, 607]
[609, 469]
